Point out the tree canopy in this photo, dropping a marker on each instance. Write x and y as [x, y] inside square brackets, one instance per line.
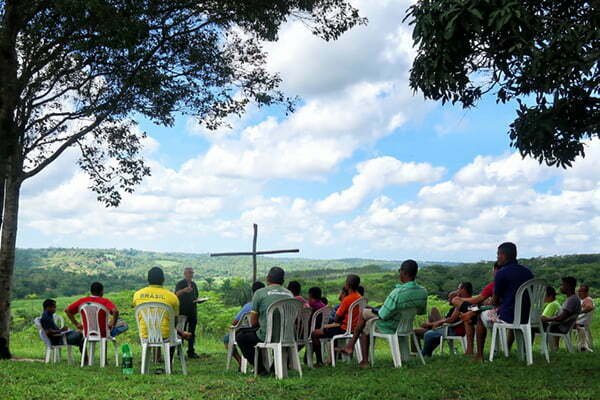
[542, 53]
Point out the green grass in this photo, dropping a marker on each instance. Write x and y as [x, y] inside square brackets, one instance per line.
[444, 377]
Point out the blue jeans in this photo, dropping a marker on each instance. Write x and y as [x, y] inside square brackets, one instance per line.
[117, 330]
[431, 341]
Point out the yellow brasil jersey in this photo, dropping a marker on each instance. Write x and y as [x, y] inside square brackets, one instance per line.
[157, 294]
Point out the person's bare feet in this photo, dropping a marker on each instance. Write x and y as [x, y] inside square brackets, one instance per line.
[477, 358]
[364, 365]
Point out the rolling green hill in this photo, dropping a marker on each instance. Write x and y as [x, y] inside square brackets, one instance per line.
[65, 272]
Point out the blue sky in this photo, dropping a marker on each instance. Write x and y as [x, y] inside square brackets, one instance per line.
[363, 168]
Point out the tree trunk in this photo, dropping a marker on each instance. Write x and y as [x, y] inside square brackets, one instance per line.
[8, 242]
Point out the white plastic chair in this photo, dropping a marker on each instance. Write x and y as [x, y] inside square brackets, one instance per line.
[52, 352]
[152, 314]
[287, 311]
[356, 307]
[535, 289]
[585, 338]
[446, 336]
[404, 329]
[243, 322]
[318, 319]
[92, 329]
[565, 336]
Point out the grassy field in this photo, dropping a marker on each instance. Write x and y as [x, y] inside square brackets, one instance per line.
[444, 377]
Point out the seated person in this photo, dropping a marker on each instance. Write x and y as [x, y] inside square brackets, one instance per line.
[246, 308]
[562, 322]
[341, 316]
[156, 293]
[315, 298]
[552, 306]
[507, 281]
[331, 316]
[585, 318]
[54, 333]
[116, 325]
[433, 335]
[407, 294]
[248, 338]
[296, 289]
[483, 301]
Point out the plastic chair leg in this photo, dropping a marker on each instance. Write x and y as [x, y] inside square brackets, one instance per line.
[244, 365]
[229, 353]
[167, 358]
[309, 355]
[144, 358]
[278, 360]
[116, 345]
[493, 345]
[568, 343]
[332, 352]
[372, 350]
[91, 348]
[395, 350]
[256, 353]
[295, 355]
[182, 359]
[103, 352]
[418, 347]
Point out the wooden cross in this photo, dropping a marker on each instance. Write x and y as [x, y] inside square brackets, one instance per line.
[254, 253]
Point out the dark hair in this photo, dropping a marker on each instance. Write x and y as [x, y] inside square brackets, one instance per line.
[410, 268]
[96, 289]
[468, 286]
[48, 303]
[156, 276]
[550, 292]
[257, 285]
[315, 292]
[509, 250]
[276, 275]
[353, 281]
[324, 300]
[570, 281]
[294, 287]
[361, 290]
[585, 288]
[497, 266]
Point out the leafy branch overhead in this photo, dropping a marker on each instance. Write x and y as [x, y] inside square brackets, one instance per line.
[84, 70]
[543, 54]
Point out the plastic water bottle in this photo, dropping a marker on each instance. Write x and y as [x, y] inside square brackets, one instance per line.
[127, 360]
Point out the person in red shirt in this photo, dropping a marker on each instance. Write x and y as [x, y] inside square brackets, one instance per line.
[341, 316]
[470, 318]
[115, 325]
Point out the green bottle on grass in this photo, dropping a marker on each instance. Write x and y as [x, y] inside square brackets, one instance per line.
[127, 360]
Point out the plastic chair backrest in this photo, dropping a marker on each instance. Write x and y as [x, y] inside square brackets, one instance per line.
[42, 332]
[153, 313]
[93, 322]
[287, 311]
[315, 322]
[356, 307]
[407, 319]
[59, 321]
[303, 324]
[532, 291]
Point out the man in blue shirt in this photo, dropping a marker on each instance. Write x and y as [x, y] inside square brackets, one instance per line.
[54, 333]
[507, 281]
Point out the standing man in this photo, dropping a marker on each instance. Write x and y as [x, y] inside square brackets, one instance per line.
[187, 292]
